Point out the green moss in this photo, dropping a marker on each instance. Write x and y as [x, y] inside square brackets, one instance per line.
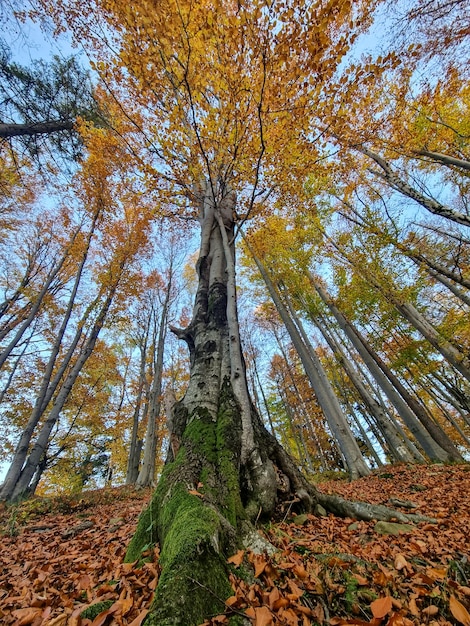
[95, 609]
[194, 580]
[193, 533]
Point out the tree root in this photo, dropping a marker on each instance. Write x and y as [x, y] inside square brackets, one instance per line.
[365, 511]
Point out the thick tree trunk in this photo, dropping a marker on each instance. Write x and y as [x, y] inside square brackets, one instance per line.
[220, 474]
[217, 478]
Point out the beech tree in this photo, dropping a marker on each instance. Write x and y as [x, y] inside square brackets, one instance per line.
[219, 97]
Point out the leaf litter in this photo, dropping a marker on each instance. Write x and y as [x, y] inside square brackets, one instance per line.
[61, 556]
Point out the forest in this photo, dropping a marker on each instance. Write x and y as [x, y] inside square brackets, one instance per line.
[234, 265]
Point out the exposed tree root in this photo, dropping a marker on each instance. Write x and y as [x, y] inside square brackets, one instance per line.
[365, 511]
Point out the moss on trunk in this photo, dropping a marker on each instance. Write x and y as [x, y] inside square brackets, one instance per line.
[194, 515]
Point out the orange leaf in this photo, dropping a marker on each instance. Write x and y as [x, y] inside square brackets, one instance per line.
[430, 610]
[260, 564]
[26, 616]
[413, 608]
[459, 611]
[274, 595]
[361, 580]
[60, 620]
[281, 603]
[264, 617]
[381, 607]
[237, 558]
[300, 572]
[193, 492]
[231, 600]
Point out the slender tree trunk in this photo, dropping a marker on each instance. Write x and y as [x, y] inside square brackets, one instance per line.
[450, 161]
[386, 380]
[374, 408]
[136, 444]
[147, 471]
[320, 383]
[400, 185]
[19, 476]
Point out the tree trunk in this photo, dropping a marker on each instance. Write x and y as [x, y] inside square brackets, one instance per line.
[386, 427]
[147, 472]
[219, 474]
[384, 378]
[320, 384]
[211, 489]
[400, 185]
[24, 466]
[37, 128]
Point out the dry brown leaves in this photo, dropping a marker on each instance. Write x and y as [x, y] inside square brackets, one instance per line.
[61, 563]
[340, 572]
[327, 571]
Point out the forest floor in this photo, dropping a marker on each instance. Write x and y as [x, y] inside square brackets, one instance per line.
[59, 556]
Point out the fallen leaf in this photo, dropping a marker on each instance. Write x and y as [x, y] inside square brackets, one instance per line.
[381, 607]
[140, 618]
[26, 616]
[459, 611]
[260, 564]
[400, 562]
[413, 607]
[263, 616]
[237, 558]
[60, 620]
[431, 610]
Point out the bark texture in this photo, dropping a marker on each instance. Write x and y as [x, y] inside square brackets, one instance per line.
[224, 469]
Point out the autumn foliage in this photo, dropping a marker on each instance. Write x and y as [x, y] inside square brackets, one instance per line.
[62, 556]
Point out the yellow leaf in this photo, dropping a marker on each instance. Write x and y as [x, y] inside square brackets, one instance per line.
[381, 607]
[459, 611]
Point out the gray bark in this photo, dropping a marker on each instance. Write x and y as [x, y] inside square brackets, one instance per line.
[397, 183]
[382, 375]
[450, 161]
[394, 442]
[320, 383]
[147, 472]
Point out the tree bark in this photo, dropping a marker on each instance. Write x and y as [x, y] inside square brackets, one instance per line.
[36, 128]
[400, 185]
[147, 472]
[220, 475]
[320, 383]
[395, 445]
[217, 479]
[385, 379]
